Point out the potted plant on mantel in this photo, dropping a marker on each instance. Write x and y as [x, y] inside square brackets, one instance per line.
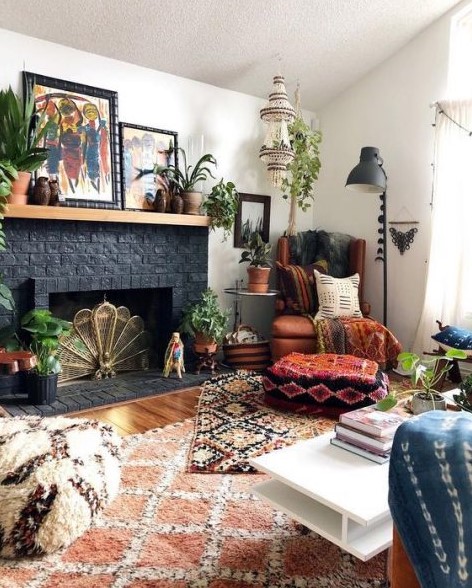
[206, 322]
[20, 137]
[7, 174]
[221, 205]
[257, 254]
[426, 375]
[46, 331]
[185, 180]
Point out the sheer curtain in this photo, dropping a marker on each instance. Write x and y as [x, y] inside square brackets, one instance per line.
[448, 295]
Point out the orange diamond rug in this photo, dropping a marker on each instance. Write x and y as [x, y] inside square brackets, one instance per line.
[173, 529]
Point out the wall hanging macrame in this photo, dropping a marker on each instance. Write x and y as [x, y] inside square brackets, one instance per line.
[111, 341]
[402, 239]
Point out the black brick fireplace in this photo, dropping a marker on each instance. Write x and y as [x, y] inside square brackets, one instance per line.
[47, 259]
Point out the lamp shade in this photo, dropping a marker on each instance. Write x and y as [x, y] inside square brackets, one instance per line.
[368, 175]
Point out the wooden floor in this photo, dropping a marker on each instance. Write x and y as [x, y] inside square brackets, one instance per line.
[141, 415]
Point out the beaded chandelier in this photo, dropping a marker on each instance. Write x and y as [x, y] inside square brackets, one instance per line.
[276, 152]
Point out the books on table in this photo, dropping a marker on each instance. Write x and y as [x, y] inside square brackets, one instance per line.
[377, 457]
[369, 432]
[376, 422]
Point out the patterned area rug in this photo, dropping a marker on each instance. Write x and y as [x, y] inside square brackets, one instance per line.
[233, 424]
[171, 529]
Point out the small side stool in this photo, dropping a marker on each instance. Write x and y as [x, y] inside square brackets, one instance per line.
[323, 383]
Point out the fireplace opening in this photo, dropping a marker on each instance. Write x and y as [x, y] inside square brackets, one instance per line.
[153, 305]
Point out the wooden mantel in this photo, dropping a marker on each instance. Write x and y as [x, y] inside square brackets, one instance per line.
[32, 211]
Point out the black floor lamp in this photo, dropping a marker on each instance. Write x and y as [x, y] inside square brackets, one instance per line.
[370, 177]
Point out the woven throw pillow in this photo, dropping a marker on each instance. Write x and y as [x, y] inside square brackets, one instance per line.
[297, 284]
[338, 297]
[455, 338]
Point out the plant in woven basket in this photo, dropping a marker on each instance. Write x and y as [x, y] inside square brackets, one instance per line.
[221, 205]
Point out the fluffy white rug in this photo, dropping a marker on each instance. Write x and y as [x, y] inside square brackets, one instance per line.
[56, 475]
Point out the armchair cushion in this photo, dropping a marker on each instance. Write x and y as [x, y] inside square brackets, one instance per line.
[338, 297]
[298, 287]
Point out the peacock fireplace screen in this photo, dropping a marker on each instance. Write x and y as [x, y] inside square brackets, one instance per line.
[82, 140]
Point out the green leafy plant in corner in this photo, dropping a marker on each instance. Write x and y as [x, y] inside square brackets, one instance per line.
[303, 170]
[205, 316]
[256, 251]
[464, 398]
[7, 174]
[21, 132]
[46, 331]
[221, 205]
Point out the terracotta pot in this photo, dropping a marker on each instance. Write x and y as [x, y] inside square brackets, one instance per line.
[20, 187]
[204, 344]
[192, 202]
[422, 402]
[258, 279]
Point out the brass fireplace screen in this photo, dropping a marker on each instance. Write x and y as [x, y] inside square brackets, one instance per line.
[104, 341]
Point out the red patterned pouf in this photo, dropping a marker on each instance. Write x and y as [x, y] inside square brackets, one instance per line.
[326, 383]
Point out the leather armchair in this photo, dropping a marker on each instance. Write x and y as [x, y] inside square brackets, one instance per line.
[292, 332]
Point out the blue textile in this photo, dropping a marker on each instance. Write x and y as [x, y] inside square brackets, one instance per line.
[430, 496]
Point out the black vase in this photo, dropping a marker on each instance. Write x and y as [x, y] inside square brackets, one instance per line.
[41, 389]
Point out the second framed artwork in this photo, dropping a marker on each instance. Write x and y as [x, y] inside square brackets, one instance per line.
[141, 149]
[253, 215]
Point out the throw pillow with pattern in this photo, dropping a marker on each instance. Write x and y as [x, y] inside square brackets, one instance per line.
[338, 297]
[297, 285]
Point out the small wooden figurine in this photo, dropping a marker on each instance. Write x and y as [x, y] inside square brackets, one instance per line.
[174, 357]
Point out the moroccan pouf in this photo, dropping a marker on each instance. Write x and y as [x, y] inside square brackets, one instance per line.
[56, 475]
[327, 383]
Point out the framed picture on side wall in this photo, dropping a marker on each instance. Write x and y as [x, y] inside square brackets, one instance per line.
[253, 215]
[141, 149]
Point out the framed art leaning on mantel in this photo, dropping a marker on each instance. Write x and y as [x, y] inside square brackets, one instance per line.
[82, 140]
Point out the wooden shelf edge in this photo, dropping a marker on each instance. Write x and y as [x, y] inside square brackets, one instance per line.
[33, 211]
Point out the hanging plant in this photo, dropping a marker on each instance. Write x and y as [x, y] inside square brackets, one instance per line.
[303, 170]
[221, 205]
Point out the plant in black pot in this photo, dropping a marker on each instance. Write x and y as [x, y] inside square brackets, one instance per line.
[257, 254]
[45, 332]
[205, 321]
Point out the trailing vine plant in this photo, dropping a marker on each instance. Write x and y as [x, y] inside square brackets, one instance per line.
[303, 170]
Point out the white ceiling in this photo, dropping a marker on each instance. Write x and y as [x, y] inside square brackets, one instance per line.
[237, 44]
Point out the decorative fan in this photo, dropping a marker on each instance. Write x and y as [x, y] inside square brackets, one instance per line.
[110, 341]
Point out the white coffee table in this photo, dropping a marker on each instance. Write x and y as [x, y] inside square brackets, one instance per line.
[341, 496]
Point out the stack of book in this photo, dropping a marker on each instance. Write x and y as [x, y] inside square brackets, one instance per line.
[368, 431]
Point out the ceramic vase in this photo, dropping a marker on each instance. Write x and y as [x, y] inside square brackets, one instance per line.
[41, 192]
[192, 202]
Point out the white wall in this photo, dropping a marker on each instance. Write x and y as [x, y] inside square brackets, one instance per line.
[388, 109]
[228, 120]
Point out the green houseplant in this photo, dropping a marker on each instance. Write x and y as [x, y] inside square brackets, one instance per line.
[7, 174]
[205, 321]
[221, 205]
[45, 331]
[21, 134]
[257, 254]
[426, 376]
[303, 170]
[184, 179]
[464, 398]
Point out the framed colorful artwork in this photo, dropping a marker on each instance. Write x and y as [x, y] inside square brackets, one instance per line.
[141, 149]
[253, 215]
[82, 140]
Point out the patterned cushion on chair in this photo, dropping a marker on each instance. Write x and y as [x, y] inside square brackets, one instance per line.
[297, 284]
[326, 383]
[56, 475]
